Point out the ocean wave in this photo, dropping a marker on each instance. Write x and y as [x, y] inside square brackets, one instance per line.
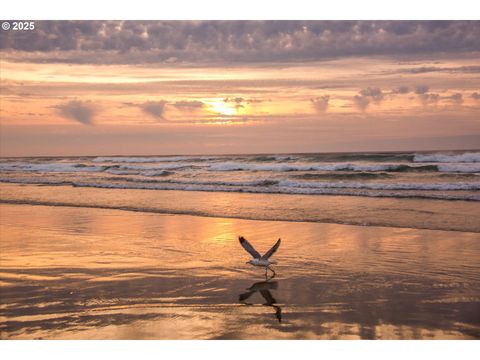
[371, 157]
[285, 167]
[269, 158]
[467, 157]
[144, 170]
[464, 186]
[150, 159]
[407, 190]
[240, 184]
[382, 186]
[343, 176]
[157, 173]
[50, 167]
[459, 168]
[156, 169]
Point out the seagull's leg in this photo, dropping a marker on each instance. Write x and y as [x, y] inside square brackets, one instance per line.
[273, 271]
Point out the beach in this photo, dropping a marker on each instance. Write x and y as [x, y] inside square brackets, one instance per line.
[136, 156]
[78, 272]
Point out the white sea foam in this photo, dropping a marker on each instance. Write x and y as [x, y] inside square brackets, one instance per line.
[260, 189]
[156, 173]
[155, 170]
[284, 167]
[49, 167]
[459, 168]
[122, 172]
[468, 157]
[336, 185]
[155, 167]
[381, 186]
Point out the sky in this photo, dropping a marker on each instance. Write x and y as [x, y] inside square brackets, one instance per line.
[223, 87]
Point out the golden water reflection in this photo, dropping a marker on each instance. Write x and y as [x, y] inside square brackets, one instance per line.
[69, 273]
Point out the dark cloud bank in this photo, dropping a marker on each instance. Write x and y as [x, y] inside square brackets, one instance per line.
[236, 41]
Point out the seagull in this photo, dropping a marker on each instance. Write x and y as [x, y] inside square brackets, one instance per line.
[259, 260]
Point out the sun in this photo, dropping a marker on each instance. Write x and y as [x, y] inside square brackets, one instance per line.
[220, 107]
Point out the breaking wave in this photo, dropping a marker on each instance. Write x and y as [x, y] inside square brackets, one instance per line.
[468, 157]
[444, 191]
[150, 159]
[285, 167]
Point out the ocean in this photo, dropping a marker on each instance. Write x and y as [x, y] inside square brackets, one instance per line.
[418, 188]
[434, 175]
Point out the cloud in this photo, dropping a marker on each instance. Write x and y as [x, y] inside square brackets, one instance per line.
[418, 70]
[361, 102]
[122, 42]
[401, 90]
[425, 97]
[321, 103]
[429, 98]
[374, 93]
[188, 105]
[368, 95]
[81, 111]
[154, 108]
[421, 89]
[255, 101]
[240, 100]
[428, 69]
[237, 100]
[456, 98]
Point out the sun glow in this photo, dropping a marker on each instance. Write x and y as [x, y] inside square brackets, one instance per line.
[220, 107]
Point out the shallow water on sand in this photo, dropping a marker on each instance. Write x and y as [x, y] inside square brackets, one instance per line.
[82, 273]
[351, 210]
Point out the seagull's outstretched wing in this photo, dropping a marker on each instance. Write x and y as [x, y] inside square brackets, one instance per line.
[247, 246]
[272, 250]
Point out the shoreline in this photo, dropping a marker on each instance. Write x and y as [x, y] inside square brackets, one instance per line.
[335, 209]
[158, 212]
[186, 189]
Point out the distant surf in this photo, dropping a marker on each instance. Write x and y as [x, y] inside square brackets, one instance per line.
[435, 175]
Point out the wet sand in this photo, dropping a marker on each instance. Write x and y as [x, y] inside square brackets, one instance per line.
[83, 273]
[351, 210]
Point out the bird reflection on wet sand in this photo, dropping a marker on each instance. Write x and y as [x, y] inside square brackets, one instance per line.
[263, 287]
